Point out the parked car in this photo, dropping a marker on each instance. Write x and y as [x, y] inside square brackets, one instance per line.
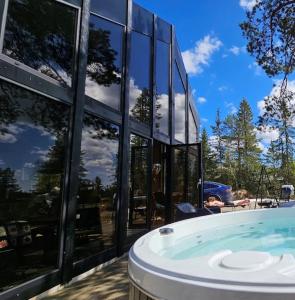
[220, 191]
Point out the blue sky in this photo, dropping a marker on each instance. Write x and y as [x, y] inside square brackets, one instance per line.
[221, 71]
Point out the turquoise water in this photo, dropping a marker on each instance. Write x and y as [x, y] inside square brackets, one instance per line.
[276, 237]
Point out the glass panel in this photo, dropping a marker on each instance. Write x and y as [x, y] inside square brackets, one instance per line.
[33, 132]
[192, 131]
[140, 96]
[162, 88]
[138, 185]
[98, 196]
[178, 178]
[104, 65]
[179, 99]
[193, 175]
[159, 201]
[41, 35]
[142, 19]
[112, 9]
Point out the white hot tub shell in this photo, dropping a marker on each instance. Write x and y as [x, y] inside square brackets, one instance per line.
[223, 275]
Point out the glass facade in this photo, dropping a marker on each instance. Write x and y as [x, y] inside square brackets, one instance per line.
[98, 191]
[179, 108]
[42, 35]
[84, 170]
[140, 78]
[162, 88]
[104, 64]
[33, 134]
[138, 185]
[192, 128]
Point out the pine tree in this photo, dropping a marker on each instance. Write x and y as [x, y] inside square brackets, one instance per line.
[217, 131]
[247, 149]
[209, 163]
[279, 115]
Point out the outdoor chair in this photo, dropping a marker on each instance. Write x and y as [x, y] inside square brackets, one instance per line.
[186, 211]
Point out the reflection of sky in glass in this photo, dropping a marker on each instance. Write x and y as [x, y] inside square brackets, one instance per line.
[33, 142]
[179, 98]
[192, 128]
[42, 36]
[139, 98]
[105, 40]
[162, 84]
[99, 155]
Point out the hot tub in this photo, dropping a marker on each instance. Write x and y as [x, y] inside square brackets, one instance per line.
[232, 256]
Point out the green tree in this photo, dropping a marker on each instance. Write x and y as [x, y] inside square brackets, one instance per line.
[269, 29]
[279, 115]
[209, 162]
[248, 152]
[217, 131]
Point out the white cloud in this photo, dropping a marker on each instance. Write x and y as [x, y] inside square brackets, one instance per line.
[256, 68]
[248, 4]
[222, 88]
[237, 50]
[199, 56]
[267, 134]
[202, 100]
[231, 107]
[275, 92]
[194, 91]
[204, 120]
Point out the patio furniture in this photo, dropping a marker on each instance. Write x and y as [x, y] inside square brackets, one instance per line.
[186, 210]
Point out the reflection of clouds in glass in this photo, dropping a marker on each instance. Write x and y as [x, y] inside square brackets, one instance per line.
[2, 162]
[109, 95]
[9, 133]
[41, 153]
[134, 93]
[162, 113]
[192, 129]
[99, 156]
[29, 165]
[180, 117]
[56, 72]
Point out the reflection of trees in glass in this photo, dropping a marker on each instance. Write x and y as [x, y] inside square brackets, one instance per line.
[142, 107]
[138, 176]
[179, 172]
[45, 121]
[8, 184]
[49, 174]
[9, 107]
[41, 34]
[99, 130]
[158, 114]
[101, 66]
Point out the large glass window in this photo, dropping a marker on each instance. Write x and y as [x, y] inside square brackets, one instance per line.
[104, 65]
[178, 175]
[179, 100]
[138, 185]
[162, 88]
[98, 196]
[33, 132]
[192, 130]
[140, 84]
[41, 35]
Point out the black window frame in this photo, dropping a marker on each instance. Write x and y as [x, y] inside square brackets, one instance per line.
[71, 3]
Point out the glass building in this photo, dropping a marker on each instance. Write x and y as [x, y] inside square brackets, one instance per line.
[98, 136]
